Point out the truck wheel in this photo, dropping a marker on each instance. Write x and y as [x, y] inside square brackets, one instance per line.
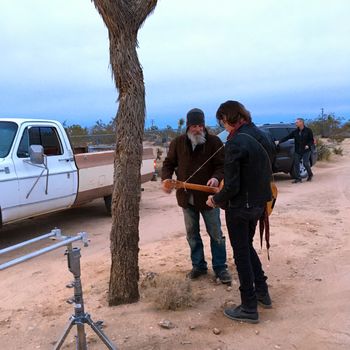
[108, 204]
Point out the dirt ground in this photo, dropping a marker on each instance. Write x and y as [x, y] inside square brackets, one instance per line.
[308, 276]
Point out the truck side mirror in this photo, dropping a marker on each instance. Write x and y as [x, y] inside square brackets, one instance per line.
[36, 154]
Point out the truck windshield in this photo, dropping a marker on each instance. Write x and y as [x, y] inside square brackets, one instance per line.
[7, 134]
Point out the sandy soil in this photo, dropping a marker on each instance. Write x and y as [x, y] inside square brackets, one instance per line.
[308, 276]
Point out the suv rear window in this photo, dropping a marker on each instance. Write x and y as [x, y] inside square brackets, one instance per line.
[278, 133]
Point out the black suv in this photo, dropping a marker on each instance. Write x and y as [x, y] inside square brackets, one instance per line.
[285, 151]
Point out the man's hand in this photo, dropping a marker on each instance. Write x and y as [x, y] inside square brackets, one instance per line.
[213, 182]
[210, 202]
[165, 188]
[307, 147]
[277, 142]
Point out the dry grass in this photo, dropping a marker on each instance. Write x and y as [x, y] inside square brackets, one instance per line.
[338, 151]
[168, 292]
[323, 150]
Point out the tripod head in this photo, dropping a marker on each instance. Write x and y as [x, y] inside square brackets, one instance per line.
[73, 255]
[73, 258]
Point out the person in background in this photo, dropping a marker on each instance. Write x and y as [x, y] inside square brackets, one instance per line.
[199, 156]
[303, 143]
[248, 173]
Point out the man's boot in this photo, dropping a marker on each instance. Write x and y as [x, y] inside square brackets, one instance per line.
[264, 300]
[241, 315]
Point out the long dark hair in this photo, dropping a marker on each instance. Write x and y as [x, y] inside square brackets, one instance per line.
[233, 111]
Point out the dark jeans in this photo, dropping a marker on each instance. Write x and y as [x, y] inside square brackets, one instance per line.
[241, 224]
[306, 161]
[217, 241]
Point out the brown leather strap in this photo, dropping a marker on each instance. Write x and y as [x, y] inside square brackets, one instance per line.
[264, 225]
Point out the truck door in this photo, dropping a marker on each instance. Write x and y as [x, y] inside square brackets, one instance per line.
[285, 153]
[8, 179]
[43, 190]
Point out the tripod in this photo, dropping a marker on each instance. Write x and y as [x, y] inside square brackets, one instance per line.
[80, 317]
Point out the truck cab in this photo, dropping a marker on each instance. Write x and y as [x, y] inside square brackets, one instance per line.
[27, 188]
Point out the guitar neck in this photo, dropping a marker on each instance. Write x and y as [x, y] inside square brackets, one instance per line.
[197, 187]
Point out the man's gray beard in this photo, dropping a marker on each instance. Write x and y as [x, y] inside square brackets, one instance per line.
[198, 139]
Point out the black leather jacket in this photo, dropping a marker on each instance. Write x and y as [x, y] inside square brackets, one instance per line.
[302, 138]
[247, 169]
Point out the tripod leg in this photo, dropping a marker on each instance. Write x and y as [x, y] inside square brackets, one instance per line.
[64, 334]
[81, 336]
[100, 333]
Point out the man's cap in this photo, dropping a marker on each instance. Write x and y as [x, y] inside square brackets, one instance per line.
[195, 117]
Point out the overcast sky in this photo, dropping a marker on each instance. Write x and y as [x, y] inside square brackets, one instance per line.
[280, 58]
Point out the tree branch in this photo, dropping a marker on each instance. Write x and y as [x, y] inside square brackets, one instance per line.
[122, 16]
[142, 9]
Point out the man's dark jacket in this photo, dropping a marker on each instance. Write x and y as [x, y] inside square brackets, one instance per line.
[248, 170]
[185, 161]
[301, 138]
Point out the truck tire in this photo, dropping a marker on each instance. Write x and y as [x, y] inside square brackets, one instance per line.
[108, 204]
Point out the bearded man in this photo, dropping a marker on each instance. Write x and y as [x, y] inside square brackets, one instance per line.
[198, 157]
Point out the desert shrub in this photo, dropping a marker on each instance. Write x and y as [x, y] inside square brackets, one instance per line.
[338, 138]
[323, 150]
[168, 292]
[338, 151]
[325, 125]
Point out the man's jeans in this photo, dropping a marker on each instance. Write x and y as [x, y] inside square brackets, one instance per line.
[217, 241]
[241, 224]
[306, 161]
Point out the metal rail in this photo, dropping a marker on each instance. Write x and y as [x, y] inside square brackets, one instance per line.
[56, 233]
[65, 241]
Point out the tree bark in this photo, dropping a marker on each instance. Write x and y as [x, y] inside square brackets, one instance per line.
[123, 19]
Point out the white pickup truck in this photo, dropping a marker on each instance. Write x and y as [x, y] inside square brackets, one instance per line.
[39, 172]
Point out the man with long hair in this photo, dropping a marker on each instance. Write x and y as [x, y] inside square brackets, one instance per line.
[248, 172]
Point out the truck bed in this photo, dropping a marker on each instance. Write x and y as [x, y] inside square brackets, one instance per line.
[96, 171]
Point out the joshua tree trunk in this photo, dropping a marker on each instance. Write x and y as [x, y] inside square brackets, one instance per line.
[123, 20]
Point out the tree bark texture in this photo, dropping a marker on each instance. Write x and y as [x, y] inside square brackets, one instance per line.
[123, 19]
